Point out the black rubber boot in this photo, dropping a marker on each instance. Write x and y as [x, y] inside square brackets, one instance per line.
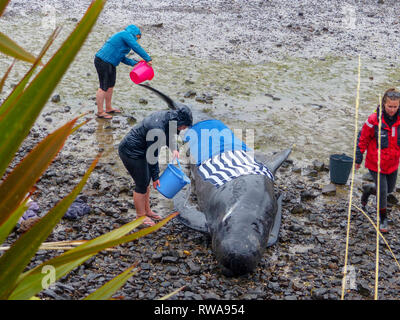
[383, 223]
[368, 189]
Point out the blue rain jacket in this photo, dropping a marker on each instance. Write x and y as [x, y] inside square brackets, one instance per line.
[120, 44]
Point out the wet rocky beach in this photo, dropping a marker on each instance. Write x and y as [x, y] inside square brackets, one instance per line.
[307, 261]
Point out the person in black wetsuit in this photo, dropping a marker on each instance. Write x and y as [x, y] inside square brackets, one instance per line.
[139, 150]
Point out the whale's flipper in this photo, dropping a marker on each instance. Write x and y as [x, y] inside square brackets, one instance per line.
[188, 214]
[163, 96]
[274, 233]
[275, 162]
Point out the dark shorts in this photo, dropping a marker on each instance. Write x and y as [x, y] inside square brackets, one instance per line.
[138, 169]
[107, 73]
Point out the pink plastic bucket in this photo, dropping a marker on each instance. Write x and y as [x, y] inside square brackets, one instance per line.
[141, 72]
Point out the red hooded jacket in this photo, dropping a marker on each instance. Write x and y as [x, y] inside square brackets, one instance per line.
[390, 144]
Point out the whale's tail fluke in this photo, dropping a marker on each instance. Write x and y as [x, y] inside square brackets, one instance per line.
[167, 99]
[276, 161]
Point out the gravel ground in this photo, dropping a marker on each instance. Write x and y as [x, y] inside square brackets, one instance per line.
[307, 262]
[253, 30]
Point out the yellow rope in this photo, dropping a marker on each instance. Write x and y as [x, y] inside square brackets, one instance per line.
[384, 239]
[352, 181]
[378, 199]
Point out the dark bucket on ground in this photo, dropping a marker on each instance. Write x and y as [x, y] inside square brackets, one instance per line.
[339, 168]
[172, 181]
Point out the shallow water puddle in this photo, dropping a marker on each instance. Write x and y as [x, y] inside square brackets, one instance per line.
[304, 103]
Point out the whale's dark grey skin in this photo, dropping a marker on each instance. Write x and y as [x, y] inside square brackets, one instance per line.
[242, 217]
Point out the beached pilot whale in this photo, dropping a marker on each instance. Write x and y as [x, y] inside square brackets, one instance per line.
[243, 216]
[236, 201]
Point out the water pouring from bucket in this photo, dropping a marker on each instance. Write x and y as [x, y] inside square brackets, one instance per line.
[141, 72]
[172, 180]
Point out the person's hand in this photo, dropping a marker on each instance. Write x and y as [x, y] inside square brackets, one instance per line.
[156, 183]
[358, 165]
[175, 154]
[150, 62]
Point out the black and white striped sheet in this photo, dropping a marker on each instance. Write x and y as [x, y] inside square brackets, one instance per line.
[229, 165]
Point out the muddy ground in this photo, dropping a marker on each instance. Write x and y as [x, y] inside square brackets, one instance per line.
[307, 261]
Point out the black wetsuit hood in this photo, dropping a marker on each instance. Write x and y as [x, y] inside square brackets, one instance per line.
[184, 115]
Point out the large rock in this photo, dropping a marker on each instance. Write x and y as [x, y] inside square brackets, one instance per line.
[56, 98]
[190, 94]
[318, 165]
[298, 209]
[363, 288]
[329, 190]
[367, 177]
[307, 195]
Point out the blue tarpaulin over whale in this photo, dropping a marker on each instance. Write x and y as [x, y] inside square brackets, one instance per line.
[211, 137]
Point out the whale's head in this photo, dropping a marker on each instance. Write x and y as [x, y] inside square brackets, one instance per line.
[241, 234]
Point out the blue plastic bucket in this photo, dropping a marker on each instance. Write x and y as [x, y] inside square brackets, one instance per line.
[339, 168]
[172, 181]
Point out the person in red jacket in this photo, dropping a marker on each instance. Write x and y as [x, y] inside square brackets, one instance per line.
[390, 151]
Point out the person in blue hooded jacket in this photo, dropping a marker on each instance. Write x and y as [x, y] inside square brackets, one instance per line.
[108, 58]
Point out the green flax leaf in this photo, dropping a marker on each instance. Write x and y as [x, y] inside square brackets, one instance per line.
[15, 124]
[15, 260]
[10, 223]
[107, 290]
[29, 283]
[3, 6]
[23, 177]
[11, 48]
[5, 76]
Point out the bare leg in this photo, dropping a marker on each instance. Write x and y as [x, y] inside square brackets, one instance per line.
[148, 209]
[108, 97]
[100, 96]
[140, 204]
[149, 212]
